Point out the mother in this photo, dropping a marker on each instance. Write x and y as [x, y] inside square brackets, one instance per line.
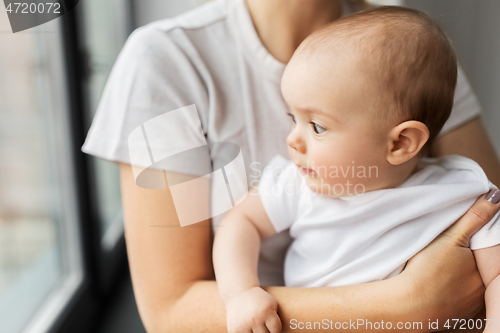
[227, 58]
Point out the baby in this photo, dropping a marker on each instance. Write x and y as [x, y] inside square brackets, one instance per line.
[367, 94]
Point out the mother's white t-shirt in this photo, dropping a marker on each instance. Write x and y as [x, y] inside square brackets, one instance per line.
[213, 58]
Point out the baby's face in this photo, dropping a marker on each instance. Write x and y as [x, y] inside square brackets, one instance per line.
[335, 141]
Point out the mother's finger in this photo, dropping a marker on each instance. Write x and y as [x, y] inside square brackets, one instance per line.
[260, 329]
[273, 323]
[483, 210]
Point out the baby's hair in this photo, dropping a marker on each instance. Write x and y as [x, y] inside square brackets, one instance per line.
[406, 52]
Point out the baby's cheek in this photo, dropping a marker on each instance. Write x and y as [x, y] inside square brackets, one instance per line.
[347, 177]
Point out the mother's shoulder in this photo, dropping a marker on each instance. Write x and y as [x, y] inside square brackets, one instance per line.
[199, 17]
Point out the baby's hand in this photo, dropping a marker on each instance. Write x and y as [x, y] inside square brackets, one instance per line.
[253, 311]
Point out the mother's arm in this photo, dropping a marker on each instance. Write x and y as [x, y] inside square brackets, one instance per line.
[173, 283]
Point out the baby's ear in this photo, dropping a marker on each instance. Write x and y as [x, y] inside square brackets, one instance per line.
[405, 141]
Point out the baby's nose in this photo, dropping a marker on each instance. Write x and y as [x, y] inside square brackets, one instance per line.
[295, 141]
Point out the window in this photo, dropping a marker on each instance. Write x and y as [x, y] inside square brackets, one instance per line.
[40, 252]
[105, 28]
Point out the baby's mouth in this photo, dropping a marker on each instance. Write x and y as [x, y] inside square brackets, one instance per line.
[306, 171]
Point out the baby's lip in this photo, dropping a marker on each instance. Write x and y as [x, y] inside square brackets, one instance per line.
[306, 171]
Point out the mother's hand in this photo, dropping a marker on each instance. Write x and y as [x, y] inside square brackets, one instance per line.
[443, 277]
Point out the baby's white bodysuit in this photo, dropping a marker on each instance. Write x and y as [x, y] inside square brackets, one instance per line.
[370, 236]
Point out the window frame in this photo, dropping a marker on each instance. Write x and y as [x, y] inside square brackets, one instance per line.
[101, 269]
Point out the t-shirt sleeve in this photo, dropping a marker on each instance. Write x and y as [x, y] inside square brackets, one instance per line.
[465, 104]
[279, 190]
[152, 76]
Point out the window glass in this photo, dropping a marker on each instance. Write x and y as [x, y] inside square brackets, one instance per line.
[40, 265]
[106, 25]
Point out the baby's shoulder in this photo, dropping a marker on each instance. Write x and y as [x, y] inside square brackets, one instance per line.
[448, 169]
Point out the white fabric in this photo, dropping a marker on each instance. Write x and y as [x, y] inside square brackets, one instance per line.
[211, 57]
[369, 236]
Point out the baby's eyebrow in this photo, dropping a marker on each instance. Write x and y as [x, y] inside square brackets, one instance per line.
[314, 110]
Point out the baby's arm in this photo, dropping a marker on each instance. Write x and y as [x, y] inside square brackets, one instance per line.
[235, 258]
[488, 264]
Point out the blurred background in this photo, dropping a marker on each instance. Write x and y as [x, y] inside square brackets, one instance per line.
[63, 265]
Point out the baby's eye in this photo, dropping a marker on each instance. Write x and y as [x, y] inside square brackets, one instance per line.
[293, 117]
[318, 129]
